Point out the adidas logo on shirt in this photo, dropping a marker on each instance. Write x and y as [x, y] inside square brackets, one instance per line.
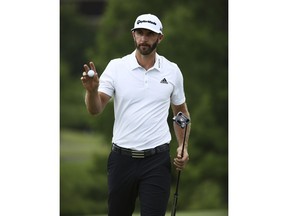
[164, 81]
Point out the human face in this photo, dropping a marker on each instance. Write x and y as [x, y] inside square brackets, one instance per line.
[146, 41]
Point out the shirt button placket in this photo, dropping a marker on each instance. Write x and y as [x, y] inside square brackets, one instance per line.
[146, 79]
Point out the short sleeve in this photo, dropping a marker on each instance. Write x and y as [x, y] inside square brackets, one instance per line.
[178, 95]
[106, 81]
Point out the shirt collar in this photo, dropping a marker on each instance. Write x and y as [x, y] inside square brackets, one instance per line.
[134, 63]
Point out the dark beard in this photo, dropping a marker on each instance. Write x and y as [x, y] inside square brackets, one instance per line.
[148, 50]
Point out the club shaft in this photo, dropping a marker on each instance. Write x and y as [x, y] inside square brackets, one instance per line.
[173, 212]
[182, 152]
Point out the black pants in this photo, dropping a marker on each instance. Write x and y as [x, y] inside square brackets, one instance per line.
[149, 178]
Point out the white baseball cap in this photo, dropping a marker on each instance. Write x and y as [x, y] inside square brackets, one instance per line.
[148, 21]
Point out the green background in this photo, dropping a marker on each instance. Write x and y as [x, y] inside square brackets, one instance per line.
[196, 38]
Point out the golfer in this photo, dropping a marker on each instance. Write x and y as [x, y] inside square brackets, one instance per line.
[143, 85]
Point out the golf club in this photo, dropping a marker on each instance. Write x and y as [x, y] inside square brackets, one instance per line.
[181, 120]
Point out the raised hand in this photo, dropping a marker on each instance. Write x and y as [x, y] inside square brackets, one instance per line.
[91, 84]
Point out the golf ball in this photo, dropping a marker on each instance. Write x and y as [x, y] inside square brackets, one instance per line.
[91, 73]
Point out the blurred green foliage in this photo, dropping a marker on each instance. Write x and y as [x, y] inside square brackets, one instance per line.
[196, 38]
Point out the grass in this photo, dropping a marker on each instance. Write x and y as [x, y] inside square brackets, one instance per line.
[81, 145]
[192, 213]
[78, 152]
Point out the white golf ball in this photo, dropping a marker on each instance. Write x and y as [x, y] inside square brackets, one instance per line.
[91, 73]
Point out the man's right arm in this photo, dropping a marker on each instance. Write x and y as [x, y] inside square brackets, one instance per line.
[96, 101]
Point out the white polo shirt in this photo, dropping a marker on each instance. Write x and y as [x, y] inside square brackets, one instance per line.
[142, 100]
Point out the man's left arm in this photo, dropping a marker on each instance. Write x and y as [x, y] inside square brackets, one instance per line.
[179, 161]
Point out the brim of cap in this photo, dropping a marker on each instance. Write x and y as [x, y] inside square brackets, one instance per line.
[151, 29]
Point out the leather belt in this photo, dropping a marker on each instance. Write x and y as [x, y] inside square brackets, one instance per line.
[140, 154]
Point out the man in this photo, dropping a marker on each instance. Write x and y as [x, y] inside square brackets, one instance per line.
[144, 85]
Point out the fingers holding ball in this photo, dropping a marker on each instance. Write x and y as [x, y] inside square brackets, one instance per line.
[90, 73]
